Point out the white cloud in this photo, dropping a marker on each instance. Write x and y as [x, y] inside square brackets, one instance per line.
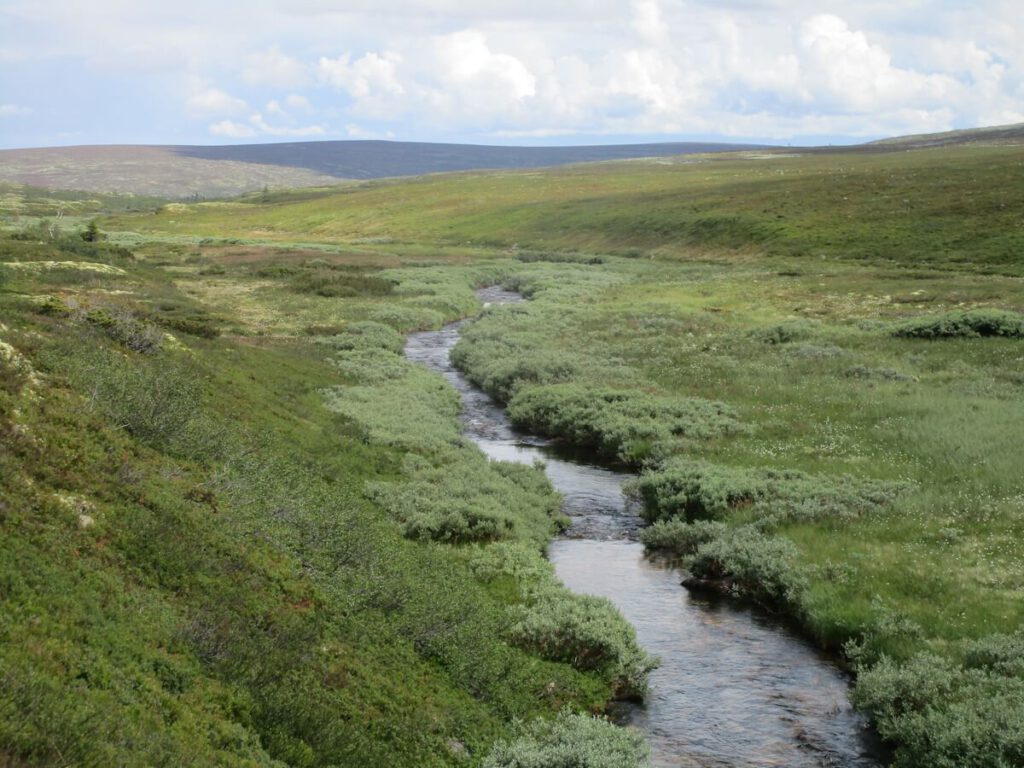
[370, 75]
[451, 69]
[256, 125]
[275, 69]
[841, 65]
[233, 130]
[466, 60]
[298, 101]
[213, 102]
[15, 110]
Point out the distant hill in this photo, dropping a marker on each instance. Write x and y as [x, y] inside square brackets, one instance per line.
[1000, 134]
[223, 171]
[183, 171]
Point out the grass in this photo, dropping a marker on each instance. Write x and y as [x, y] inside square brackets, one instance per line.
[815, 333]
[194, 567]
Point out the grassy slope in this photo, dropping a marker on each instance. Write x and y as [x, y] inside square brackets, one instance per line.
[950, 207]
[190, 570]
[853, 244]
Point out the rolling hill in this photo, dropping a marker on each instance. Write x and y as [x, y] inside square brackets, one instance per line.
[191, 171]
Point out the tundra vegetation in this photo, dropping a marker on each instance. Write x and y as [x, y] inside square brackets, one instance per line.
[235, 516]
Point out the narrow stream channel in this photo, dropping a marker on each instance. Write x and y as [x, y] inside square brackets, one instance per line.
[734, 687]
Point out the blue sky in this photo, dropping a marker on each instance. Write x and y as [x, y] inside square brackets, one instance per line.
[503, 72]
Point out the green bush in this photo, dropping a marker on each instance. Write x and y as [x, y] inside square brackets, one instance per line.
[334, 284]
[939, 714]
[785, 332]
[367, 334]
[585, 631]
[461, 497]
[972, 323]
[748, 564]
[618, 423]
[679, 537]
[571, 741]
[695, 490]
[550, 620]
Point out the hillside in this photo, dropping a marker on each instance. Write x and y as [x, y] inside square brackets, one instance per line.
[236, 516]
[942, 206]
[184, 171]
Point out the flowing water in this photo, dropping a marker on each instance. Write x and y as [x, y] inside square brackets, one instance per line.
[734, 687]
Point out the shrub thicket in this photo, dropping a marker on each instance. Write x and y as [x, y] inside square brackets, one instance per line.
[694, 490]
[942, 714]
[571, 741]
[972, 323]
[626, 424]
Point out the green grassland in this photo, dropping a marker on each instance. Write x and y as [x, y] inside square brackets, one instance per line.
[815, 362]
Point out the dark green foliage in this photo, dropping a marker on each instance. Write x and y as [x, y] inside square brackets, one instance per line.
[618, 423]
[678, 537]
[973, 323]
[92, 232]
[528, 257]
[746, 563]
[464, 498]
[571, 741]
[944, 715]
[697, 490]
[785, 332]
[335, 284]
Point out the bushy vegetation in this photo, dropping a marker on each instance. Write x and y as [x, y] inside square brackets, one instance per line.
[696, 490]
[192, 570]
[623, 424]
[973, 323]
[458, 499]
[548, 619]
[946, 714]
[679, 537]
[571, 741]
[875, 493]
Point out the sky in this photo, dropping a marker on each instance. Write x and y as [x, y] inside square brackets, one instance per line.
[504, 71]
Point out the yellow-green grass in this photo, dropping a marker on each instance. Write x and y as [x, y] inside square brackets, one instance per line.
[950, 206]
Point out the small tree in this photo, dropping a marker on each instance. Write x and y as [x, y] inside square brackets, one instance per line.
[92, 232]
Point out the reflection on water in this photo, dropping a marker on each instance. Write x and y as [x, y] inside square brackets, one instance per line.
[734, 688]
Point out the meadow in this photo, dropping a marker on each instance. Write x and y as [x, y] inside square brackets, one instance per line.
[815, 364]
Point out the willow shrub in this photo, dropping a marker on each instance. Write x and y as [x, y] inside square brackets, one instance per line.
[678, 537]
[550, 620]
[746, 563]
[366, 334]
[947, 715]
[696, 490]
[571, 741]
[618, 423]
[972, 323]
[466, 498]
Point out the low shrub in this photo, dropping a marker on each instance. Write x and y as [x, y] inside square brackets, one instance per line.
[944, 715]
[746, 563]
[697, 490]
[559, 625]
[679, 537]
[529, 257]
[622, 424]
[972, 323]
[464, 498]
[367, 334]
[334, 284]
[785, 332]
[571, 741]
[884, 374]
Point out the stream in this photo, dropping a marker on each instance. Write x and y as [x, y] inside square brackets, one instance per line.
[735, 687]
